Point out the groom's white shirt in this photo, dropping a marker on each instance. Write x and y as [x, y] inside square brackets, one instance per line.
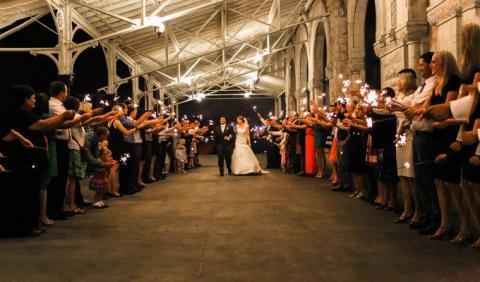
[222, 127]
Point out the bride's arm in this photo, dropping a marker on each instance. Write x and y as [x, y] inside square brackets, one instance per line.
[247, 135]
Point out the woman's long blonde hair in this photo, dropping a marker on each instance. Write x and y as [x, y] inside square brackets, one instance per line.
[448, 67]
[470, 49]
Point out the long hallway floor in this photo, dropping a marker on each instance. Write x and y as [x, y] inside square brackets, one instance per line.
[201, 227]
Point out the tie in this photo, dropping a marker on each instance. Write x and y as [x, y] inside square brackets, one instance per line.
[422, 87]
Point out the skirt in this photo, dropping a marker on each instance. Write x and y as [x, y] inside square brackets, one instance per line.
[333, 151]
[76, 167]
[404, 156]
[99, 182]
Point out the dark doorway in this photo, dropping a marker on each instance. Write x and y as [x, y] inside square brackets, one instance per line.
[372, 62]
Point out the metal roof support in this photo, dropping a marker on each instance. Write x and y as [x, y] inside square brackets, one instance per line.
[120, 17]
[255, 38]
[22, 25]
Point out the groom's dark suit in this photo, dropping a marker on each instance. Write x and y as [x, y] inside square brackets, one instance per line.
[224, 147]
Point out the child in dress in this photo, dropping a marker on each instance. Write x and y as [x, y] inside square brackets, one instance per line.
[181, 157]
[99, 182]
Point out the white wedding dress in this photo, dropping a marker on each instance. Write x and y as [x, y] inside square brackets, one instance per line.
[244, 160]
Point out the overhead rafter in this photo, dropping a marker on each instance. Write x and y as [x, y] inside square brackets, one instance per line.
[255, 38]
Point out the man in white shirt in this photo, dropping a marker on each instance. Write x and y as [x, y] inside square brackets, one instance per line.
[57, 187]
[423, 153]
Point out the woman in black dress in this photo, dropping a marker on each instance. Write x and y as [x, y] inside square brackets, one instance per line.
[467, 141]
[27, 165]
[116, 143]
[357, 147]
[448, 82]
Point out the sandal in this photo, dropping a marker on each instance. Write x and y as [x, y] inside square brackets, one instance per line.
[100, 205]
[461, 238]
[476, 245]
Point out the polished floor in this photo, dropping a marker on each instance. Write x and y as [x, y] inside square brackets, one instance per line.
[201, 227]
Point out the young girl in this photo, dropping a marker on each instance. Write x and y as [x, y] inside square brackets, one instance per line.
[181, 157]
[99, 182]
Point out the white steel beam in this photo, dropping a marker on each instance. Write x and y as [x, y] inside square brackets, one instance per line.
[91, 7]
[23, 25]
[160, 8]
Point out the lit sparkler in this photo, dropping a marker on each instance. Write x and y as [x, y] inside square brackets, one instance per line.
[124, 158]
[369, 122]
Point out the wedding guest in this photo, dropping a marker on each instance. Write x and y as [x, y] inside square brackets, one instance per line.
[383, 137]
[77, 166]
[356, 145]
[423, 152]
[406, 85]
[119, 149]
[181, 157]
[57, 187]
[100, 180]
[41, 110]
[344, 175]
[28, 166]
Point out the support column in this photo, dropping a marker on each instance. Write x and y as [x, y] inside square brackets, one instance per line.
[135, 85]
[111, 58]
[275, 102]
[63, 20]
[149, 97]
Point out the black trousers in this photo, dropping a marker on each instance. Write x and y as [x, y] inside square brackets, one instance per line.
[161, 155]
[128, 173]
[224, 154]
[423, 157]
[58, 185]
[273, 155]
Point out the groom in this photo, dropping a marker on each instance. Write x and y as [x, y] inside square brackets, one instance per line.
[225, 143]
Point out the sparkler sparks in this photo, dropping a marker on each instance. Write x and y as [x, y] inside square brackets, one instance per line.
[87, 98]
[402, 140]
[369, 122]
[124, 158]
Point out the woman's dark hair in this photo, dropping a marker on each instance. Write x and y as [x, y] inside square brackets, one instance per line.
[388, 92]
[20, 93]
[56, 88]
[130, 109]
[41, 104]
[101, 131]
[72, 103]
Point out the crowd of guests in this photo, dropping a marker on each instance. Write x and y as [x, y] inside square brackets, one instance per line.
[49, 143]
[422, 140]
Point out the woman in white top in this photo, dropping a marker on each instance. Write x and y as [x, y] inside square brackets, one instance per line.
[406, 84]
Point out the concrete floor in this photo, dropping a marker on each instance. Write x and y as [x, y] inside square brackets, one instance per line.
[251, 228]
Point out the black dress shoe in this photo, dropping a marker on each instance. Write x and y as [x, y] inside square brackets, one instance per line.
[221, 174]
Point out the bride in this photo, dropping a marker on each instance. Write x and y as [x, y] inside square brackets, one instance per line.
[244, 160]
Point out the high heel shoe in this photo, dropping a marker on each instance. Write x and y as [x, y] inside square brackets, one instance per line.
[461, 238]
[476, 245]
[401, 220]
[441, 234]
